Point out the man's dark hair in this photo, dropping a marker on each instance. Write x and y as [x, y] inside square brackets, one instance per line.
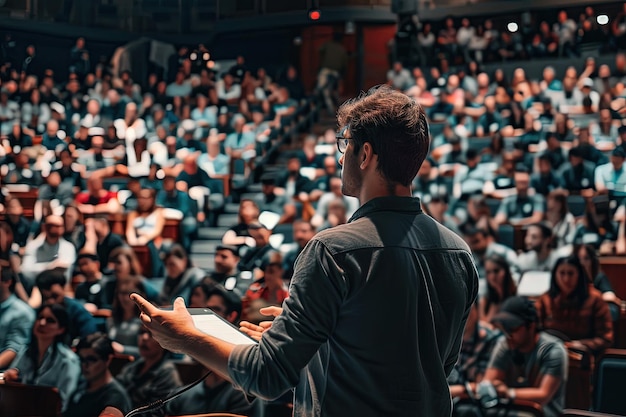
[46, 279]
[395, 125]
[231, 300]
[546, 231]
[7, 275]
[99, 342]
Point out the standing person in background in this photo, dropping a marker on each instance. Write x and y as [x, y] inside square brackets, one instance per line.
[333, 64]
[327, 341]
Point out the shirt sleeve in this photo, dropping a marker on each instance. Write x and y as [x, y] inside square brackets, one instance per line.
[501, 357]
[270, 368]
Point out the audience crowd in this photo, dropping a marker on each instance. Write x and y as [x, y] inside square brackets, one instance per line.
[529, 171]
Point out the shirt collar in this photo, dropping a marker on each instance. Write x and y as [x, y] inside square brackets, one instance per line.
[388, 203]
[8, 302]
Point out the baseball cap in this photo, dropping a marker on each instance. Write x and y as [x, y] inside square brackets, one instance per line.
[514, 312]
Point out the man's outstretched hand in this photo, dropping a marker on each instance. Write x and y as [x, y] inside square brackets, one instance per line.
[171, 328]
[256, 331]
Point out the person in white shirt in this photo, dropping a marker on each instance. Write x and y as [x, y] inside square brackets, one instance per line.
[48, 251]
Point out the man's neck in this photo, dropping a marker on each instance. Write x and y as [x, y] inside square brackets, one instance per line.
[52, 240]
[383, 190]
[4, 296]
[104, 380]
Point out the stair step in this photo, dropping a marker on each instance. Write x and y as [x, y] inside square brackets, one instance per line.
[204, 246]
[231, 208]
[211, 233]
[203, 261]
[227, 220]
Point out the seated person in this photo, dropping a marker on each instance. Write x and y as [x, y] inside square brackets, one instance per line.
[540, 255]
[124, 323]
[169, 197]
[524, 208]
[478, 342]
[252, 258]
[575, 309]
[180, 275]
[151, 377]
[98, 388]
[270, 290]
[500, 286]
[207, 192]
[48, 251]
[588, 257]
[51, 285]
[144, 227]
[91, 291]
[526, 363]
[97, 199]
[100, 240]
[47, 360]
[16, 319]
[216, 394]
[578, 176]
[238, 234]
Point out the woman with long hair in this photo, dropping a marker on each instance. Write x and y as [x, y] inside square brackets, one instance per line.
[47, 360]
[124, 323]
[500, 286]
[588, 257]
[180, 276]
[126, 267]
[144, 227]
[559, 217]
[575, 310]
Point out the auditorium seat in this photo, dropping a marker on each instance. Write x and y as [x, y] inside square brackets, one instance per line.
[608, 395]
[119, 361]
[16, 400]
[570, 412]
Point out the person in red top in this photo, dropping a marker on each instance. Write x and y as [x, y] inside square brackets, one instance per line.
[97, 199]
[270, 290]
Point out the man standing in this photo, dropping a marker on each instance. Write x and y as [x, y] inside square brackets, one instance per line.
[376, 305]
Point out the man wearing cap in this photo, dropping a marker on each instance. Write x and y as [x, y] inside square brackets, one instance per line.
[225, 270]
[611, 177]
[254, 257]
[525, 363]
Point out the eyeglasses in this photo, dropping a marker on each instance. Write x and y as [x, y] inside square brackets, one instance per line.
[492, 271]
[49, 320]
[88, 359]
[342, 142]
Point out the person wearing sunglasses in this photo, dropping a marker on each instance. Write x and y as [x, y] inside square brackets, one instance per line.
[98, 388]
[376, 309]
[47, 360]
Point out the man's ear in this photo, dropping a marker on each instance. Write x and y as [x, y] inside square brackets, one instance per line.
[367, 155]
